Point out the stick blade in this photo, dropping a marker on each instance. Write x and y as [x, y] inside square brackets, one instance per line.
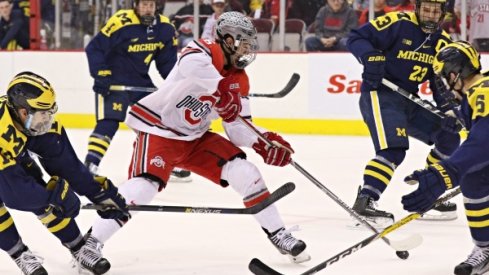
[408, 243]
[257, 267]
[294, 79]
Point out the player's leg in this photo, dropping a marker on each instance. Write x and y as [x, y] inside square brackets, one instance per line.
[110, 110]
[144, 183]
[425, 128]
[10, 242]
[383, 113]
[220, 161]
[56, 206]
[475, 189]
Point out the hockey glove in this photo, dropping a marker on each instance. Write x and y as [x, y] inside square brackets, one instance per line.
[63, 202]
[102, 85]
[432, 183]
[277, 155]
[451, 124]
[373, 68]
[229, 104]
[108, 196]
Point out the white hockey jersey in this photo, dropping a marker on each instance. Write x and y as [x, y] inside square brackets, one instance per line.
[182, 108]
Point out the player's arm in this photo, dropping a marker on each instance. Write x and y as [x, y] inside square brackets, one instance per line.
[375, 36]
[167, 57]
[279, 154]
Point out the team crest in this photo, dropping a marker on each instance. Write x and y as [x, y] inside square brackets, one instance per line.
[157, 161]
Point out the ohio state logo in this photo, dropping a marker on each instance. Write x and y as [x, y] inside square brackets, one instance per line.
[157, 161]
[196, 108]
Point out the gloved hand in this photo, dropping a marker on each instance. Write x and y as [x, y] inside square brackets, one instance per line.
[63, 202]
[432, 183]
[451, 124]
[277, 155]
[102, 84]
[373, 68]
[229, 104]
[115, 204]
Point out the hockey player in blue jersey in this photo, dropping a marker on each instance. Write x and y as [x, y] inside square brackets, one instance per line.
[120, 55]
[399, 47]
[27, 124]
[459, 66]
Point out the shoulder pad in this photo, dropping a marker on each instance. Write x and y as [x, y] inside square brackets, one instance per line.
[119, 20]
[478, 99]
[164, 19]
[390, 18]
[214, 50]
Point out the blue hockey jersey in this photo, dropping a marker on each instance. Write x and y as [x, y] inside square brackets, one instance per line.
[125, 48]
[408, 50]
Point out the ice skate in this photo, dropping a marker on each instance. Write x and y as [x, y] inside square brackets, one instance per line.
[30, 264]
[476, 264]
[447, 211]
[365, 206]
[180, 175]
[290, 246]
[89, 258]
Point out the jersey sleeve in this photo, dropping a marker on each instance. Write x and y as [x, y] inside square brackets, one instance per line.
[58, 157]
[196, 65]
[378, 34]
[472, 154]
[166, 59]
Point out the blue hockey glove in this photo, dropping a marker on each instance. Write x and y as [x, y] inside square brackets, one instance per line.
[373, 68]
[451, 124]
[115, 204]
[102, 85]
[63, 202]
[432, 183]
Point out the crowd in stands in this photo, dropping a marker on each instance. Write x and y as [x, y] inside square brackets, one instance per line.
[327, 22]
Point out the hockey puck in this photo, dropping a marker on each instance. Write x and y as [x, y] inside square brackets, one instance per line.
[402, 254]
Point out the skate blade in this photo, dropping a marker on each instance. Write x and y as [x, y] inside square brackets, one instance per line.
[303, 257]
[434, 215]
[177, 179]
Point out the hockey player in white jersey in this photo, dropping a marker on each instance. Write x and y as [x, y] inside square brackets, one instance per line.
[172, 125]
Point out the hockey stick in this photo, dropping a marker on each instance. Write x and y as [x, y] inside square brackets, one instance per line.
[401, 247]
[259, 268]
[427, 106]
[294, 79]
[281, 192]
[120, 88]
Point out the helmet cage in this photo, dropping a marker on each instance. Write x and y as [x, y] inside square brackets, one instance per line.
[427, 25]
[458, 58]
[33, 93]
[147, 20]
[237, 26]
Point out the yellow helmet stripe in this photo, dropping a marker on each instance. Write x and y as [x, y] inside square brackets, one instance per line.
[470, 52]
[47, 94]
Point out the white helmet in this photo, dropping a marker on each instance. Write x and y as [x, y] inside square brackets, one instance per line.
[239, 27]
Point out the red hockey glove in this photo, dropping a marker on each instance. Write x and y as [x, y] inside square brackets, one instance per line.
[276, 155]
[229, 104]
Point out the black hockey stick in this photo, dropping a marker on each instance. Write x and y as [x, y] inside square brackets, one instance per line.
[259, 268]
[423, 104]
[285, 91]
[281, 192]
[401, 247]
[120, 88]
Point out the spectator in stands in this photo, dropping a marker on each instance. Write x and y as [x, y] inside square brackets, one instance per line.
[333, 23]
[14, 28]
[184, 21]
[306, 10]
[478, 17]
[380, 8]
[210, 24]
[405, 6]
